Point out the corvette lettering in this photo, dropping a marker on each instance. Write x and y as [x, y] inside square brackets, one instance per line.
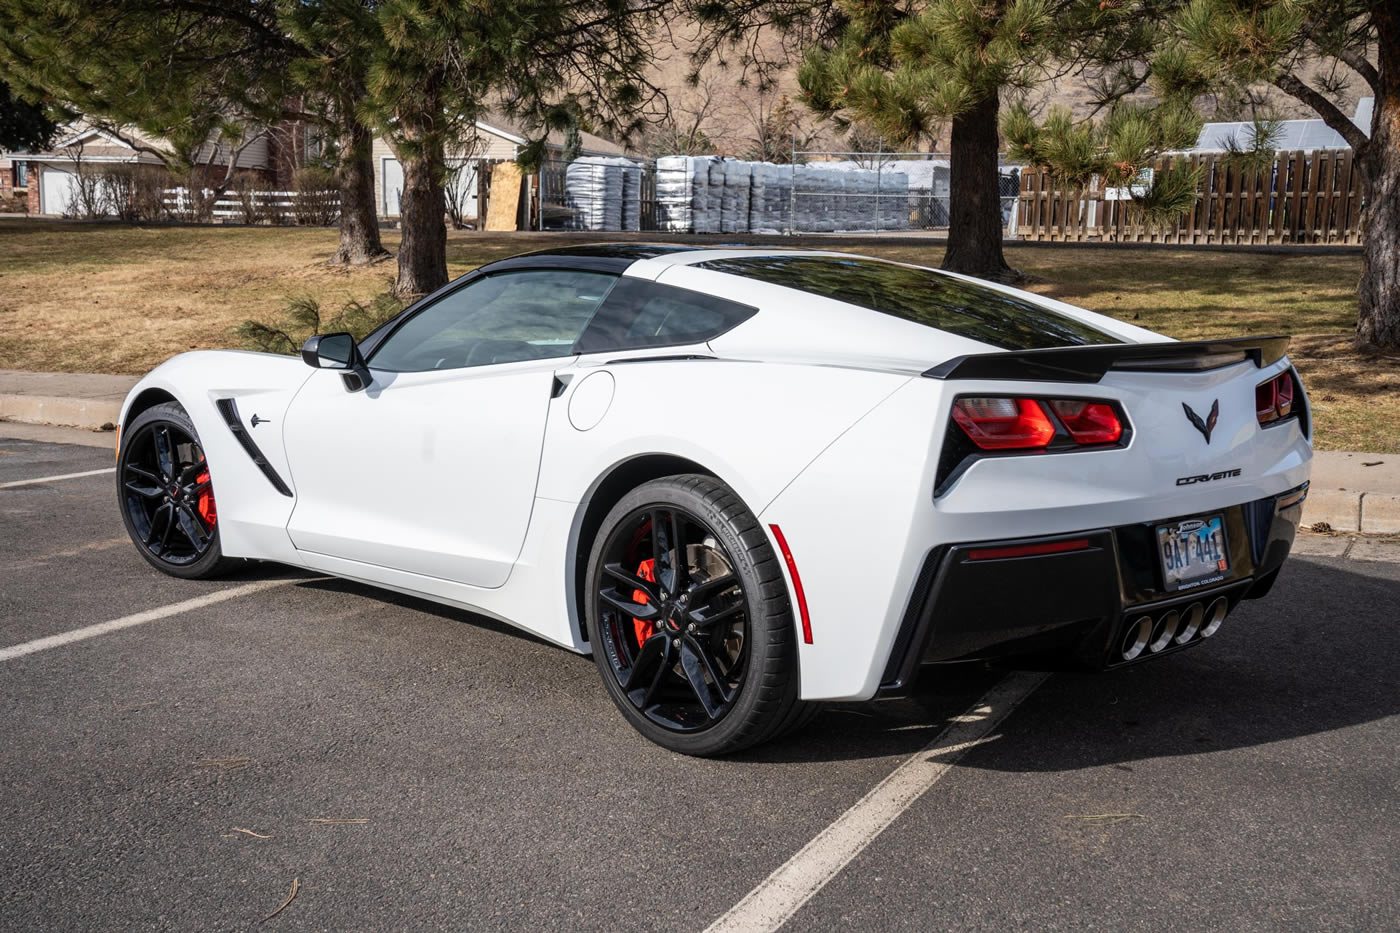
[1205, 477]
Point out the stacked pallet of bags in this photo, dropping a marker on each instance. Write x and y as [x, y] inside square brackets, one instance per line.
[593, 194]
[770, 196]
[736, 180]
[684, 199]
[604, 193]
[709, 194]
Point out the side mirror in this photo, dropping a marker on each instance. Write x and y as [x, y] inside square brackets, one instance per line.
[337, 351]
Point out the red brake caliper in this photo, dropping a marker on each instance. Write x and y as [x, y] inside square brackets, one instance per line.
[204, 504]
[647, 571]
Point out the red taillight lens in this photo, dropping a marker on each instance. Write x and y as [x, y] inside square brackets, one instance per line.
[1004, 423]
[1266, 401]
[1089, 422]
[1274, 399]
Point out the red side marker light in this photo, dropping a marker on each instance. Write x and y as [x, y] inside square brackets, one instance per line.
[796, 583]
[1028, 550]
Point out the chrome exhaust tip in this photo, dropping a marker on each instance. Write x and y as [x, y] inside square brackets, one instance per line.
[1215, 615]
[1138, 634]
[1191, 623]
[1164, 631]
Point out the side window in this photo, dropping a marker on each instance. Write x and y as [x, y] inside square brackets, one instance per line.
[640, 314]
[531, 314]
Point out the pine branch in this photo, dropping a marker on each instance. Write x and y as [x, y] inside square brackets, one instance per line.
[1358, 63]
[1330, 113]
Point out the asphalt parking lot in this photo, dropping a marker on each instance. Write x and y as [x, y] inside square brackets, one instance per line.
[414, 767]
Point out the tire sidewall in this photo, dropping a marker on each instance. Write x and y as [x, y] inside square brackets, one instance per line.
[212, 561]
[768, 656]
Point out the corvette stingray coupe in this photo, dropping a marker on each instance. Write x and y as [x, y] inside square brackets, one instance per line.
[745, 480]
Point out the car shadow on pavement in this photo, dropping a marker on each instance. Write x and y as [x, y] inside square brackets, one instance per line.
[1318, 654]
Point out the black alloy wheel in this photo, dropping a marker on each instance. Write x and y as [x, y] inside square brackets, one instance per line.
[688, 612]
[167, 496]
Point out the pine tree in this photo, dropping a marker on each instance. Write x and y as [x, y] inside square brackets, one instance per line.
[23, 125]
[185, 72]
[1223, 45]
[905, 69]
[1203, 52]
[441, 64]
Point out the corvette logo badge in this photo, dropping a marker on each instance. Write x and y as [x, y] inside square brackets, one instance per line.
[1207, 426]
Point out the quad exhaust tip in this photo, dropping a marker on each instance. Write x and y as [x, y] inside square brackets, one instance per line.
[1215, 615]
[1173, 627]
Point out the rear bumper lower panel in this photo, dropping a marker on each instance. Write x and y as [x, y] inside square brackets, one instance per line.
[1067, 610]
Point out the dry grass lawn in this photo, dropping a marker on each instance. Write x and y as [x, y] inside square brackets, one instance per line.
[113, 298]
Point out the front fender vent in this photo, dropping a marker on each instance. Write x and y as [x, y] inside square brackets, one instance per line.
[229, 409]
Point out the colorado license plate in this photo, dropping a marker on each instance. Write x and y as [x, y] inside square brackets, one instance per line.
[1193, 552]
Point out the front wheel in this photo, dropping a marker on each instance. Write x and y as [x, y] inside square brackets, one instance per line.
[166, 495]
[689, 619]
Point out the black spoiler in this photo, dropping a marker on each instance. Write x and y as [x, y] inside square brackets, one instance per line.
[1089, 364]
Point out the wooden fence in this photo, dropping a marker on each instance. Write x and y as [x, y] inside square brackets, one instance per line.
[1301, 198]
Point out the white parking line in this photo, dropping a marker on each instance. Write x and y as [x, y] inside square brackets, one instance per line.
[53, 479]
[794, 883]
[139, 618]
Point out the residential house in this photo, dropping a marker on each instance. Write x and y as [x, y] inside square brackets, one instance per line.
[50, 174]
[497, 139]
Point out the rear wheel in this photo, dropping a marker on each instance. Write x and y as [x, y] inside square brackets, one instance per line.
[689, 619]
[166, 495]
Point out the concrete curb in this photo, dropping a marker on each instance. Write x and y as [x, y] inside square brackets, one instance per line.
[1354, 492]
[76, 400]
[90, 414]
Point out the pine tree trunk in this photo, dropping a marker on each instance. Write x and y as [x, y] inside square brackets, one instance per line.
[359, 228]
[423, 250]
[974, 214]
[1378, 324]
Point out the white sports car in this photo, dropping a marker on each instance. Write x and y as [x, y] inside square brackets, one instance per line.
[745, 480]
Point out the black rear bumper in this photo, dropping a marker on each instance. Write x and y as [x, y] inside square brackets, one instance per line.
[1069, 610]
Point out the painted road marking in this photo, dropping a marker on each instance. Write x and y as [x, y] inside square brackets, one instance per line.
[139, 618]
[782, 894]
[54, 479]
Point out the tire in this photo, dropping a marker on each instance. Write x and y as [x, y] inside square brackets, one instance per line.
[166, 499]
[705, 676]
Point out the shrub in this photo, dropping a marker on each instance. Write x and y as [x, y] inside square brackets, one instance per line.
[135, 193]
[304, 316]
[88, 197]
[315, 197]
[245, 191]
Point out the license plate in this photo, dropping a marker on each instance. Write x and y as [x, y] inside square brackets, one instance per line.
[1193, 552]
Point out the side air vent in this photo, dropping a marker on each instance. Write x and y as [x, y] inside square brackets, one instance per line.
[229, 409]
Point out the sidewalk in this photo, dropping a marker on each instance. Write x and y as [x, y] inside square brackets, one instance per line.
[1351, 492]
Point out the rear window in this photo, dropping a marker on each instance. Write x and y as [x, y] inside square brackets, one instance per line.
[639, 314]
[922, 296]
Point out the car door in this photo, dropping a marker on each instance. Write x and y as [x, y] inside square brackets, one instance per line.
[432, 468]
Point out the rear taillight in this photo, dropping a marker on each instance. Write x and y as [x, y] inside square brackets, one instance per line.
[1089, 422]
[1004, 423]
[1028, 424]
[1273, 400]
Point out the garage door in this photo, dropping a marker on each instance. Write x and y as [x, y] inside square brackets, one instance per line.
[55, 190]
[391, 173]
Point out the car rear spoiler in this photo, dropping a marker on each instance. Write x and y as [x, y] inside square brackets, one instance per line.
[1089, 364]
